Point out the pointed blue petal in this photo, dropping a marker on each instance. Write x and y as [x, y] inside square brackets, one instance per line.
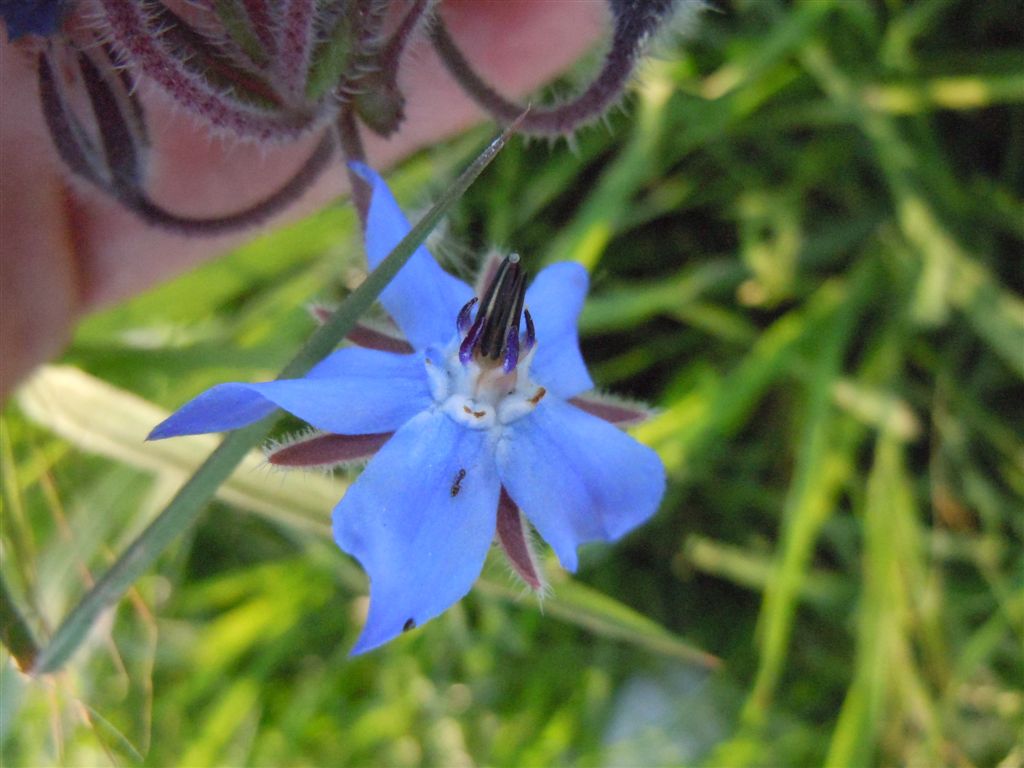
[218, 409]
[420, 520]
[354, 392]
[423, 299]
[555, 299]
[578, 478]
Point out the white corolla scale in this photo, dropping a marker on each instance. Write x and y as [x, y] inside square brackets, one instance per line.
[481, 418]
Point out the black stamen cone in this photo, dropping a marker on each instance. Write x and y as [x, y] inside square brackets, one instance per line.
[501, 309]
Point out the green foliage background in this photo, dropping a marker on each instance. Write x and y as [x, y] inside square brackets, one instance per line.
[805, 233]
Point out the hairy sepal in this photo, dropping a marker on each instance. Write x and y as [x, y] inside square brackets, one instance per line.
[516, 541]
[367, 334]
[324, 450]
[615, 410]
[175, 57]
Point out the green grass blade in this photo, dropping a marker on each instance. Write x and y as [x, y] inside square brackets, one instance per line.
[15, 633]
[822, 464]
[884, 656]
[576, 603]
[965, 92]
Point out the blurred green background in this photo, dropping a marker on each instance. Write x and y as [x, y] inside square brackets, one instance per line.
[805, 232]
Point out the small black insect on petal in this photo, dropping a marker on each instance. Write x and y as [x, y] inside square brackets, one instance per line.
[457, 483]
[409, 624]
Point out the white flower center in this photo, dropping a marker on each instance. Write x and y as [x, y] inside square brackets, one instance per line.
[481, 396]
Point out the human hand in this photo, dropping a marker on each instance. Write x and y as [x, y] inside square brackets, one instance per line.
[66, 249]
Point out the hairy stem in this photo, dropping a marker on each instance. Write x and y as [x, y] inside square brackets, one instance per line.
[392, 53]
[352, 150]
[556, 120]
[118, 172]
[255, 214]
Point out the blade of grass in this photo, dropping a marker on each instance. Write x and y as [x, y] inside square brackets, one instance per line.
[185, 507]
[107, 730]
[853, 741]
[15, 633]
[751, 569]
[576, 603]
[822, 464]
[964, 93]
[886, 668]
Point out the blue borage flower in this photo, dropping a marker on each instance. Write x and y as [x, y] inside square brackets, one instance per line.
[479, 416]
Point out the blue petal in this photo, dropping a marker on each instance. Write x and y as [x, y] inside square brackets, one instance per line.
[555, 300]
[31, 17]
[423, 299]
[420, 520]
[578, 478]
[352, 392]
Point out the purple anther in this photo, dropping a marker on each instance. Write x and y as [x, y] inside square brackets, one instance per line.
[466, 350]
[531, 332]
[511, 350]
[469, 343]
[465, 315]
